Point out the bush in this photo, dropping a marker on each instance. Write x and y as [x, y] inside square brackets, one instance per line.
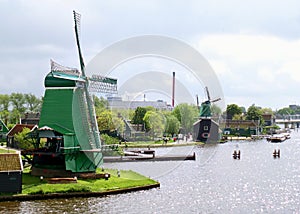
[23, 141]
[108, 140]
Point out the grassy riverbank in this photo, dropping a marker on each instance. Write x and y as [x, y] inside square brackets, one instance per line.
[127, 179]
[33, 186]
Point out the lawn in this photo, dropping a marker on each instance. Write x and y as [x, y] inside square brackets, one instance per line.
[33, 185]
[2, 150]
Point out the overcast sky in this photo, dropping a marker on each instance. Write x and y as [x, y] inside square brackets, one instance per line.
[253, 46]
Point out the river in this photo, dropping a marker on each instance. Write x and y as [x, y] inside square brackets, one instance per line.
[214, 183]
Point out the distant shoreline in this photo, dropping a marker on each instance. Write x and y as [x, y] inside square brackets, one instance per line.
[145, 145]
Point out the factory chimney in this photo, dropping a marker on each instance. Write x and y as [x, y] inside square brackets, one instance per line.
[173, 90]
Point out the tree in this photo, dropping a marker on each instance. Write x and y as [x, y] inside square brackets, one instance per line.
[154, 122]
[32, 102]
[215, 110]
[267, 111]
[124, 113]
[24, 142]
[286, 111]
[4, 102]
[232, 110]
[138, 116]
[4, 105]
[243, 109]
[186, 115]
[105, 121]
[172, 125]
[17, 100]
[109, 121]
[108, 140]
[254, 113]
[100, 103]
[149, 108]
[118, 122]
[238, 117]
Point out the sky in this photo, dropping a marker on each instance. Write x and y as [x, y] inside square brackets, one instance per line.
[252, 46]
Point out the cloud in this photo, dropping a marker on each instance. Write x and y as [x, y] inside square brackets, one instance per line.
[250, 48]
[266, 75]
[291, 68]
[254, 65]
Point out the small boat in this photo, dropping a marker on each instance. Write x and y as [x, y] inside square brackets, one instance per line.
[287, 135]
[142, 153]
[277, 138]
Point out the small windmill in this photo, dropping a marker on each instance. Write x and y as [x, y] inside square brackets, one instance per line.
[205, 129]
[205, 108]
[68, 120]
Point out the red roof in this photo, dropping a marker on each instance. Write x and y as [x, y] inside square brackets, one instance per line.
[19, 127]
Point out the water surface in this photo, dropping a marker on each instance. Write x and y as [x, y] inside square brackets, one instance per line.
[214, 183]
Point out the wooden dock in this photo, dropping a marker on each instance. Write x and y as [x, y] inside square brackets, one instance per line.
[148, 158]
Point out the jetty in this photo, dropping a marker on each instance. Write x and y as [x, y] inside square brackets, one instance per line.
[137, 158]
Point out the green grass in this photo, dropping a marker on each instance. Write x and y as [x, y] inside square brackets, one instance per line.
[2, 150]
[32, 185]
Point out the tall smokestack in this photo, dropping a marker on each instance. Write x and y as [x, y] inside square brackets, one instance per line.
[173, 90]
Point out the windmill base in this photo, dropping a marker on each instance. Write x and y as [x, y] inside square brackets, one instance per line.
[206, 130]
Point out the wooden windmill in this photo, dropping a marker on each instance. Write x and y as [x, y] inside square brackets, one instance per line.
[205, 129]
[68, 122]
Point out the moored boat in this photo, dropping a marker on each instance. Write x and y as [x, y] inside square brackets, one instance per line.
[287, 135]
[277, 138]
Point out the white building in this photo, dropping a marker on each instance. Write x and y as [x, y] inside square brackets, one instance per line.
[118, 103]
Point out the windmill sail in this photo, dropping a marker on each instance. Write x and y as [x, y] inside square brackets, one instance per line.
[103, 84]
[77, 18]
[55, 67]
[91, 112]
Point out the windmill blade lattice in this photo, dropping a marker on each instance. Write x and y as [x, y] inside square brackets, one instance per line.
[103, 84]
[64, 69]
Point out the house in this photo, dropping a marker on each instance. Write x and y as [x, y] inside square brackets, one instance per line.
[3, 130]
[269, 119]
[30, 118]
[134, 132]
[240, 127]
[118, 103]
[15, 130]
[11, 169]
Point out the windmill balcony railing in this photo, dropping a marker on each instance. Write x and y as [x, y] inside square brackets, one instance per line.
[70, 150]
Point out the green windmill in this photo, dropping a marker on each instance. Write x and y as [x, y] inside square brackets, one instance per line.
[205, 129]
[205, 108]
[68, 124]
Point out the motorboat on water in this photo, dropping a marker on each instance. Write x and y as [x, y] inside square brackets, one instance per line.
[287, 135]
[278, 138]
